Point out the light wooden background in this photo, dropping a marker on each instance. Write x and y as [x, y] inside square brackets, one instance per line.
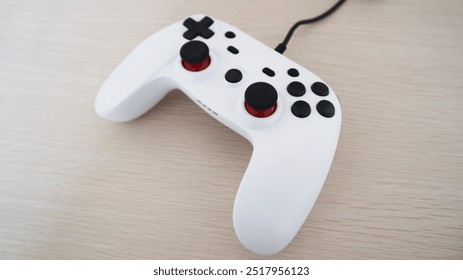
[74, 186]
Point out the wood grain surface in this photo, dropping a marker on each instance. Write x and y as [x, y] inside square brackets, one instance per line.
[75, 186]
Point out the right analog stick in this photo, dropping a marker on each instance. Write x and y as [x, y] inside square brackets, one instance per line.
[261, 99]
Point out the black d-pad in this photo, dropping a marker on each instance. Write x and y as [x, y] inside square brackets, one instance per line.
[198, 28]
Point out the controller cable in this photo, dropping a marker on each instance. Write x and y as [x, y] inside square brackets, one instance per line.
[282, 46]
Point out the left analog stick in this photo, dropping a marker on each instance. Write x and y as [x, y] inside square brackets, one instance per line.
[195, 56]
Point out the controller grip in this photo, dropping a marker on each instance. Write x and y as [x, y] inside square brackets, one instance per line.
[137, 102]
[277, 192]
[137, 83]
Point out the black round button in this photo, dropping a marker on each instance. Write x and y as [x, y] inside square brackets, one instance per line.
[293, 72]
[194, 52]
[320, 89]
[296, 89]
[233, 76]
[230, 34]
[261, 96]
[325, 108]
[300, 109]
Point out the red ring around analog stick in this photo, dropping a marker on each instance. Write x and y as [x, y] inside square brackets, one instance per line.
[197, 66]
[261, 99]
[195, 56]
[260, 113]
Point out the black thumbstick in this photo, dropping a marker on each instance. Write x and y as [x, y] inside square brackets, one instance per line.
[195, 55]
[261, 99]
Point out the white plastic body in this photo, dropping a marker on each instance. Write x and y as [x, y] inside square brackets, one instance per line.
[291, 156]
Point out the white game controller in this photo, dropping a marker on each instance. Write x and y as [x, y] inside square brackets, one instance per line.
[291, 117]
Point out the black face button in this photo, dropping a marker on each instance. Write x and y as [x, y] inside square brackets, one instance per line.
[194, 52]
[296, 89]
[293, 72]
[325, 108]
[269, 72]
[200, 28]
[230, 35]
[233, 76]
[300, 109]
[261, 99]
[320, 89]
[233, 50]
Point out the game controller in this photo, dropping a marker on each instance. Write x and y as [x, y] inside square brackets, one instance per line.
[291, 117]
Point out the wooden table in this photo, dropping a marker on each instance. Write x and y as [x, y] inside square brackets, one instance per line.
[75, 186]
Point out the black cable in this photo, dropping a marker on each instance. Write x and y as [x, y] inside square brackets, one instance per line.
[282, 46]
